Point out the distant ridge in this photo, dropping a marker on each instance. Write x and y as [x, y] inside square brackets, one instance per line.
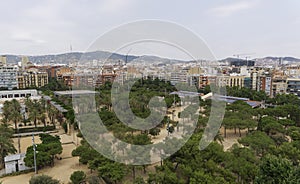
[290, 59]
[268, 59]
[66, 58]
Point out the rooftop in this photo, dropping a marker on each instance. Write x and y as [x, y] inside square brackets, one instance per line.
[33, 91]
[185, 93]
[13, 157]
[75, 92]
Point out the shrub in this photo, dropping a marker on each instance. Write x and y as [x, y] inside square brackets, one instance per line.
[43, 179]
[37, 129]
[78, 177]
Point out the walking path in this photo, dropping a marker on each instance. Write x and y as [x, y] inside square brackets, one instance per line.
[62, 169]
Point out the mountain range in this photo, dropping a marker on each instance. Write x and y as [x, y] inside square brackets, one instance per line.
[66, 58]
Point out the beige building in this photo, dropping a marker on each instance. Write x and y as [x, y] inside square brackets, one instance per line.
[292, 71]
[60, 72]
[279, 84]
[32, 79]
[195, 70]
[230, 81]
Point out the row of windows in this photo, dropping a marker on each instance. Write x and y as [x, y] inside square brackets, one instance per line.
[15, 95]
[294, 82]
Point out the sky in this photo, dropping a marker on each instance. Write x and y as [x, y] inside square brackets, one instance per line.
[255, 27]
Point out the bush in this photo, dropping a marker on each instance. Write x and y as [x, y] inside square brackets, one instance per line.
[43, 179]
[37, 129]
[78, 177]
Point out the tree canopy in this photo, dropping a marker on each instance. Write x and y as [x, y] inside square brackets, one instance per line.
[46, 151]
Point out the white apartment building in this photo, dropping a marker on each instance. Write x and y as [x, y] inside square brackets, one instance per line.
[8, 77]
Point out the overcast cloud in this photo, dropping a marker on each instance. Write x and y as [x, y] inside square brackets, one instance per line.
[263, 27]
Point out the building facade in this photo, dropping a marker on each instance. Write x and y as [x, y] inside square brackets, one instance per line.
[279, 85]
[231, 81]
[8, 77]
[16, 94]
[15, 163]
[293, 86]
[32, 79]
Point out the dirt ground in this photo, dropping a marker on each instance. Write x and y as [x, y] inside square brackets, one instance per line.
[61, 171]
[25, 142]
[231, 137]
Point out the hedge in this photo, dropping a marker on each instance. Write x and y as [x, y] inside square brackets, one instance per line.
[37, 129]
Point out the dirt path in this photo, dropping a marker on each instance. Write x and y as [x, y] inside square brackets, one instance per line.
[62, 169]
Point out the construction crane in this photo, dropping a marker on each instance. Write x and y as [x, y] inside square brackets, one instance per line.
[246, 56]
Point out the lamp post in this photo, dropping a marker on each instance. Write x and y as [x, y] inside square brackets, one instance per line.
[34, 154]
[168, 126]
[19, 139]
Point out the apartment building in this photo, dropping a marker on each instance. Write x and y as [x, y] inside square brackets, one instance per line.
[179, 77]
[231, 81]
[279, 84]
[60, 72]
[264, 83]
[8, 77]
[254, 80]
[203, 81]
[29, 79]
[292, 71]
[293, 86]
[84, 79]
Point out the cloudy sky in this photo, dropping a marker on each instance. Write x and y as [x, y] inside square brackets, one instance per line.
[262, 27]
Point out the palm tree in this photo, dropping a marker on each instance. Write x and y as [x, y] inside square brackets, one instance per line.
[6, 143]
[35, 111]
[6, 112]
[42, 118]
[42, 108]
[15, 112]
[43, 104]
[52, 113]
[15, 116]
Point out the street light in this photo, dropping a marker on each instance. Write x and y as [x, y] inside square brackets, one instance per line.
[34, 154]
[168, 126]
[19, 139]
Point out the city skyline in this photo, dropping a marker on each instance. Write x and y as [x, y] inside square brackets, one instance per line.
[265, 28]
